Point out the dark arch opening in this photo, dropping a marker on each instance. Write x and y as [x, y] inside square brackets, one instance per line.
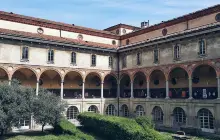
[140, 85]
[92, 86]
[125, 87]
[110, 87]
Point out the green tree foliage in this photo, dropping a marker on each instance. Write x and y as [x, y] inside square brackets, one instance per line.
[15, 103]
[145, 122]
[48, 108]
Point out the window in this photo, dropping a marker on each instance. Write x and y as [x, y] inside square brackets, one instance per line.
[24, 53]
[140, 110]
[110, 61]
[176, 52]
[125, 111]
[73, 58]
[124, 61]
[23, 122]
[156, 55]
[93, 109]
[202, 47]
[113, 42]
[72, 112]
[93, 60]
[127, 42]
[138, 58]
[206, 119]
[50, 56]
[110, 110]
[179, 115]
[157, 114]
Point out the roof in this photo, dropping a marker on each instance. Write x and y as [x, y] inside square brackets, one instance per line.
[205, 27]
[55, 25]
[184, 18]
[121, 26]
[54, 38]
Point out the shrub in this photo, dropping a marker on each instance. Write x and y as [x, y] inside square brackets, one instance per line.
[66, 128]
[117, 128]
[145, 122]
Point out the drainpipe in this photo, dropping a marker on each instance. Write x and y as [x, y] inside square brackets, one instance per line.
[118, 95]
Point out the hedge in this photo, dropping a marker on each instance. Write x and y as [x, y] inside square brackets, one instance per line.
[67, 129]
[117, 128]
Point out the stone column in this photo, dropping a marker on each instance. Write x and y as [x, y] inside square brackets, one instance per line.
[37, 87]
[132, 94]
[218, 79]
[61, 91]
[190, 88]
[83, 90]
[167, 89]
[102, 90]
[148, 89]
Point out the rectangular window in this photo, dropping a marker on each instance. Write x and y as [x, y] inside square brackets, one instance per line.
[176, 52]
[73, 58]
[24, 53]
[51, 56]
[110, 61]
[124, 61]
[202, 47]
[93, 60]
[138, 58]
[156, 55]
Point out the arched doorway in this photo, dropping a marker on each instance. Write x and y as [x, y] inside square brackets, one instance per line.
[206, 120]
[110, 87]
[140, 85]
[179, 117]
[72, 88]
[51, 80]
[110, 110]
[140, 111]
[204, 83]
[125, 110]
[157, 115]
[72, 113]
[125, 86]
[93, 86]
[157, 84]
[93, 109]
[178, 84]
[3, 75]
[26, 77]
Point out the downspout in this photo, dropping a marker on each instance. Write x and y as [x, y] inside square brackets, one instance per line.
[118, 81]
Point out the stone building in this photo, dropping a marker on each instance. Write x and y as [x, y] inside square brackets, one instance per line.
[170, 71]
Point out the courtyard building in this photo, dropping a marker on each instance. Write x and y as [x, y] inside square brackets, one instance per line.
[169, 71]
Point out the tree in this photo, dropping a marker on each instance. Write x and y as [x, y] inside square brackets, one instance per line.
[48, 108]
[15, 103]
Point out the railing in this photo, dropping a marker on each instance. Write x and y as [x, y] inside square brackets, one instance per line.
[179, 93]
[92, 93]
[110, 93]
[125, 93]
[140, 93]
[158, 92]
[72, 93]
[205, 93]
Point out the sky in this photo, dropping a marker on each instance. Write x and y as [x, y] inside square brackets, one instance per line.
[101, 14]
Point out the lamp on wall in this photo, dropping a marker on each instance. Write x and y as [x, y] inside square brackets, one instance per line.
[174, 81]
[41, 82]
[195, 80]
[156, 82]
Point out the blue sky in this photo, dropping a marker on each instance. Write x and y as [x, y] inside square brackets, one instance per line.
[100, 14]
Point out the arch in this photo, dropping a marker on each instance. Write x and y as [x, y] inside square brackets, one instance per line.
[51, 69]
[180, 67]
[204, 63]
[93, 72]
[110, 86]
[140, 85]
[25, 75]
[110, 110]
[157, 113]
[204, 82]
[139, 110]
[125, 86]
[123, 74]
[73, 82]
[125, 110]
[93, 83]
[136, 72]
[178, 83]
[179, 116]
[4, 75]
[93, 109]
[72, 112]
[153, 70]
[206, 120]
[75, 71]
[112, 74]
[157, 83]
[51, 79]
[24, 67]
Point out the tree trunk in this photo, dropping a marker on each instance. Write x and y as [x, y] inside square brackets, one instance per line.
[43, 127]
[2, 132]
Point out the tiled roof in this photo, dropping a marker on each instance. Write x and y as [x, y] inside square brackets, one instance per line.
[214, 25]
[53, 38]
[55, 25]
[121, 26]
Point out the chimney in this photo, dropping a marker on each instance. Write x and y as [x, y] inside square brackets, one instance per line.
[145, 24]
